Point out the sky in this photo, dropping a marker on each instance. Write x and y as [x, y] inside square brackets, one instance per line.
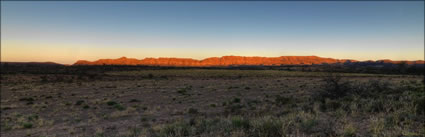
[65, 32]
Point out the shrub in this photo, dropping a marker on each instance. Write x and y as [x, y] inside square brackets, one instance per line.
[27, 125]
[182, 91]
[350, 131]
[235, 108]
[177, 129]
[236, 100]
[378, 86]
[420, 105]
[267, 127]
[79, 102]
[32, 117]
[377, 105]
[308, 125]
[119, 107]
[334, 88]
[150, 75]
[282, 100]
[240, 122]
[134, 100]
[193, 111]
[330, 105]
[111, 103]
[29, 99]
[44, 78]
[164, 77]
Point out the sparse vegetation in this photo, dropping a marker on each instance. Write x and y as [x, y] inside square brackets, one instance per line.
[214, 103]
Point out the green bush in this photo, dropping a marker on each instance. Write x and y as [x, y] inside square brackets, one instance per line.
[27, 125]
[111, 103]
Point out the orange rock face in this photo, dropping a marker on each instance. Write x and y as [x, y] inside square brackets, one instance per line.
[225, 61]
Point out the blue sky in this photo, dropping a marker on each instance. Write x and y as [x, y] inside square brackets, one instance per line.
[67, 31]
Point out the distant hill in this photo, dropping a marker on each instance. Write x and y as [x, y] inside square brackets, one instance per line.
[236, 61]
[31, 64]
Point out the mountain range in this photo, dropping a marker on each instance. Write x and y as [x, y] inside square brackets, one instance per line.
[234, 61]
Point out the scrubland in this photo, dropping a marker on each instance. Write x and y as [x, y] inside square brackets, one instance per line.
[212, 103]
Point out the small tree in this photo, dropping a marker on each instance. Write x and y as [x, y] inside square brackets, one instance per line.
[334, 87]
[402, 67]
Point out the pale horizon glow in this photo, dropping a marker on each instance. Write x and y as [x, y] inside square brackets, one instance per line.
[64, 32]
